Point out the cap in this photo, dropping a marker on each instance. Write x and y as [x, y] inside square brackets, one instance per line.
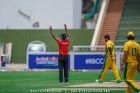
[63, 35]
[130, 33]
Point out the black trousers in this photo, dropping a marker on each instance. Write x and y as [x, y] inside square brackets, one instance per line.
[63, 67]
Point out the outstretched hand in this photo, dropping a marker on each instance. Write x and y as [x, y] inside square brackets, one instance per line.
[65, 26]
[50, 27]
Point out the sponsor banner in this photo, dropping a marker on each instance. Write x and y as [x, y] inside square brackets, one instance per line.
[90, 61]
[45, 61]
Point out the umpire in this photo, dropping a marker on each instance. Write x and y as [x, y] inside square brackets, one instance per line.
[63, 54]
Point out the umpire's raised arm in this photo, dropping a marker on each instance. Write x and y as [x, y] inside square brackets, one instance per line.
[66, 30]
[52, 32]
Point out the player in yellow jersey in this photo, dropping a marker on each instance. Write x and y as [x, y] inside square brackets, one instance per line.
[109, 61]
[130, 59]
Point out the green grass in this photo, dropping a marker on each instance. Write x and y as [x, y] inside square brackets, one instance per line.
[24, 82]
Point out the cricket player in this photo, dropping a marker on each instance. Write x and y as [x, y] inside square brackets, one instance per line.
[130, 58]
[63, 54]
[109, 61]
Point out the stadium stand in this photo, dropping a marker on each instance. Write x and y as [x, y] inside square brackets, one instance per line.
[111, 20]
[130, 21]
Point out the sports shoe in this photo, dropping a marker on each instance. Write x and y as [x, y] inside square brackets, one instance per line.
[66, 82]
[98, 81]
[60, 82]
[118, 81]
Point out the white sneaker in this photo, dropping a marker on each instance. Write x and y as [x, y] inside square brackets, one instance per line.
[98, 81]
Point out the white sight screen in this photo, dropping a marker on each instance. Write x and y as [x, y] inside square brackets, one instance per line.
[36, 48]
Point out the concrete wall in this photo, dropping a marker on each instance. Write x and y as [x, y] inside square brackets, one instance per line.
[22, 14]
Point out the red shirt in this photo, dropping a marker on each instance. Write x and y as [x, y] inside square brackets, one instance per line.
[63, 46]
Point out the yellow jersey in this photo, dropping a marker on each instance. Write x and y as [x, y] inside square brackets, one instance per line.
[110, 44]
[132, 48]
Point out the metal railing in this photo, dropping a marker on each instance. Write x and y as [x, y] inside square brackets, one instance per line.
[95, 48]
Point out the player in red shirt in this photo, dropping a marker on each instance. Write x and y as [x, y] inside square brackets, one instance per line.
[63, 54]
